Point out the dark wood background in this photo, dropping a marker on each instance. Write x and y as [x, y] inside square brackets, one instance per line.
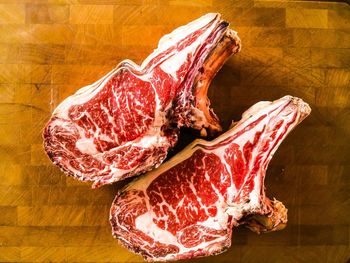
[49, 49]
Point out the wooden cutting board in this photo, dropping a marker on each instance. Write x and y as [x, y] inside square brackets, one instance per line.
[51, 48]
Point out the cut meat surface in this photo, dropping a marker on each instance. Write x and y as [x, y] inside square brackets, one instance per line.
[187, 207]
[125, 123]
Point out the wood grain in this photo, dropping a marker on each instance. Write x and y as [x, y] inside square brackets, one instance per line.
[50, 48]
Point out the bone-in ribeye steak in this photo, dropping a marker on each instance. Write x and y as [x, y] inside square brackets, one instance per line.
[124, 123]
[187, 207]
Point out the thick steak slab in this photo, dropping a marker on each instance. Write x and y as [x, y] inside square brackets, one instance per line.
[125, 123]
[187, 207]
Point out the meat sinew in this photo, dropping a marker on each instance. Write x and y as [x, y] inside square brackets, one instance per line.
[187, 207]
[125, 123]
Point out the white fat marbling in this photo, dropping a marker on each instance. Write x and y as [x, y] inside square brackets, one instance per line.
[145, 224]
[220, 220]
[82, 95]
[180, 33]
[173, 63]
[148, 141]
[86, 145]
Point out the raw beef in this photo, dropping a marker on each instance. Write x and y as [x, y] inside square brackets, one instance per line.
[125, 123]
[187, 207]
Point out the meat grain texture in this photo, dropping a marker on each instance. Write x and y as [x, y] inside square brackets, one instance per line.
[125, 123]
[187, 207]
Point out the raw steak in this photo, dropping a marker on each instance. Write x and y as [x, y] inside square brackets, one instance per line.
[125, 123]
[187, 207]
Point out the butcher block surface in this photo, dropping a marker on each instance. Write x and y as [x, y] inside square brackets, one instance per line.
[51, 48]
